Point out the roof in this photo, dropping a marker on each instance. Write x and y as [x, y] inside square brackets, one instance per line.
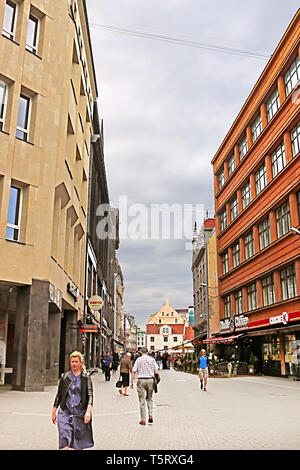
[155, 329]
[209, 223]
[189, 333]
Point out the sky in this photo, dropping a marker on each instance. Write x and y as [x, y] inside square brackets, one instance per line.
[166, 108]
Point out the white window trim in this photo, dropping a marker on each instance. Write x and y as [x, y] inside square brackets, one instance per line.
[30, 47]
[18, 226]
[12, 34]
[2, 119]
[26, 131]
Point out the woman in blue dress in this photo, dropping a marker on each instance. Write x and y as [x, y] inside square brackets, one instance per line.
[75, 401]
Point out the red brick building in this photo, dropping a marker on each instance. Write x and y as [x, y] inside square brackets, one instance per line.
[257, 202]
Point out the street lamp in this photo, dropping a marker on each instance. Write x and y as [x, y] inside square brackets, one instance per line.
[295, 230]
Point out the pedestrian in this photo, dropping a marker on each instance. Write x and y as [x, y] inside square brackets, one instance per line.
[125, 370]
[74, 400]
[115, 361]
[107, 361]
[203, 372]
[145, 368]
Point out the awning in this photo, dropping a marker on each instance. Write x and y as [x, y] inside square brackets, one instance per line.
[222, 339]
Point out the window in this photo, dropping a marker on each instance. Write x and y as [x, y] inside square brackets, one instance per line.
[292, 76]
[256, 128]
[268, 290]
[225, 262]
[243, 148]
[278, 160]
[223, 220]
[9, 23]
[3, 93]
[221, 178]
[234, 209]
[295, 138]
[231, 165]
[236, 258]
[238, 297]
[264, 233]
[288, 282]
[298, 203]
[32, 34]
[246, 195]
[165, 339]
[175, 339]
[249, 245]
[14, 214]
[283, 219]
[23, 118]
[273, 105]
[227, 306]
[152, 339]
[260, 179]
[252, 296]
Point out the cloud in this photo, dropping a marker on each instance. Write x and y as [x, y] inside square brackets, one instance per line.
[166, 110]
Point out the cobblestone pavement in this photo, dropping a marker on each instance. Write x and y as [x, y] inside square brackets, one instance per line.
[240, 413]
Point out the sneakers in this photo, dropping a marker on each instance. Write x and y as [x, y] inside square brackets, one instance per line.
[143, 423]
[150, 420]
[205, 390]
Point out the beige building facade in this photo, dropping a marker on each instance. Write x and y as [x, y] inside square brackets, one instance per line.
[47, 91]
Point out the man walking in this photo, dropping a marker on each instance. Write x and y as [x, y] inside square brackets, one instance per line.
[107, 360]
[203, 372]
[144, 368]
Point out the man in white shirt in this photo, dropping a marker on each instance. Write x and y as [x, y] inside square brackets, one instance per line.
[144, 368]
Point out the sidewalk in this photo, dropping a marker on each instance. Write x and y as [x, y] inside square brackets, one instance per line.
[256, 413]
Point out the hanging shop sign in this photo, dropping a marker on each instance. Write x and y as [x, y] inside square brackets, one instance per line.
[95, 302]
[89, 328]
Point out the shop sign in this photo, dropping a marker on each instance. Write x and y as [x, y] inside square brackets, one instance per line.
[55, 296]
[95, 302]
[241, 322]
[73, 291]
[283, 318]
[225, 324]
[89, 329]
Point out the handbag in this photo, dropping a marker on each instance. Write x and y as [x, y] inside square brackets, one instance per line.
[119, 383]
[156, 380]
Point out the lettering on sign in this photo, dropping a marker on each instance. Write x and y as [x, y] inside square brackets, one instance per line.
[283, 318]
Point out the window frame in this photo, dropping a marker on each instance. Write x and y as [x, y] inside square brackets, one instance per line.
[289, 82]
[278, 160]
[285, 277]
[264, 233]
[221, 178]
[252, 296]
[227, 306]
[19, 205]
[273, 102]
[249, 245]
[24, 130]
[33, 48]
[260, 176]
[256, 126]
[283, 219]
[268, 290]
[246, 195]
[234, 209]
[236, 254]
[12, 33]
[243, 148]
[223, 220]
[225, 262]
[231, 164]
[238, 299]
[295, 139]
[3, 104]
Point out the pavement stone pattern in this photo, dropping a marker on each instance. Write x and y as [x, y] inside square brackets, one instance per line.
[239, 413]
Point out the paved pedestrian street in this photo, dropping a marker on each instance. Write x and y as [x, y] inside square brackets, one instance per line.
[240, 413]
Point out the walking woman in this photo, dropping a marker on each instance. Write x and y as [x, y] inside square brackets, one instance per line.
[125, 370]
[75, 400]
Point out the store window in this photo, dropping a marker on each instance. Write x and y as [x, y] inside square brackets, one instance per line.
[292, 352]
[271, 350]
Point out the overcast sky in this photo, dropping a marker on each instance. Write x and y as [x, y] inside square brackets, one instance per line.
[166, 109]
